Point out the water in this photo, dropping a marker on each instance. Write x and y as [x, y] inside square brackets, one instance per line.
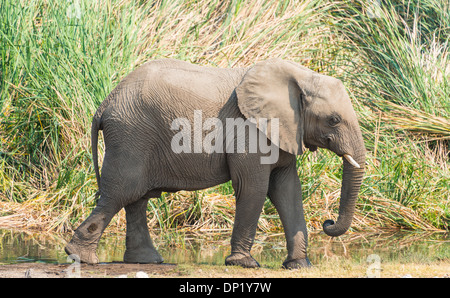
[17, 247]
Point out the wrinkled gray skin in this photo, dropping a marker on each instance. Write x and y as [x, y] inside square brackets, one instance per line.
[314, 111]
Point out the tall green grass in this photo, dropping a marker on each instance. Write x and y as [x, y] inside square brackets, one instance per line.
[60, 59]
[403, 59]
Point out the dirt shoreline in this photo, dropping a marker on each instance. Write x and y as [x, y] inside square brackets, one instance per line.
[115, 269]
[333, 269]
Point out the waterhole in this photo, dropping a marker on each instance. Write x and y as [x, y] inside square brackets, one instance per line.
[268, 250]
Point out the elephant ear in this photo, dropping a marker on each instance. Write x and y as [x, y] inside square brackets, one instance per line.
[272, 90]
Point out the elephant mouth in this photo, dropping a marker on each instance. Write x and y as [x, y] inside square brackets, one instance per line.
[311, 148]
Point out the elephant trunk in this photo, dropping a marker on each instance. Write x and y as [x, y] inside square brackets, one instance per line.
[351, 183]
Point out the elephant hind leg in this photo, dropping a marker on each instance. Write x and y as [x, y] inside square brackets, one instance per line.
[122, 184]
[139, 245]
[85, 239]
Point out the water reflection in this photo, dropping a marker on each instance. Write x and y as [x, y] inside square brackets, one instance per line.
[26, 246]
[270, 250]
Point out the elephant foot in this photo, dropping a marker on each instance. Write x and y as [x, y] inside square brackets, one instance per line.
[243, 260]
[85, 255]
[297, 263]
[142, 256]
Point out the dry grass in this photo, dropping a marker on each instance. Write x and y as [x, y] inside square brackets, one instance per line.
[333, 268]
[430, 126]
[184, 212]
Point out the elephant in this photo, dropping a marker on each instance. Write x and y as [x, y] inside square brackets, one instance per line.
[291, 108]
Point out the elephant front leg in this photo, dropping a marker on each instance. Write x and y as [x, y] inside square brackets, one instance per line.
[248, 210]
[250, 195]
[285, 194]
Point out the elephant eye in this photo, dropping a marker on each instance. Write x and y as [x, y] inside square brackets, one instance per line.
[334, 120]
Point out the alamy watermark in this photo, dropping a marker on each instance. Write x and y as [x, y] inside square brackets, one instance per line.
[74, 270]
[374, 9]
[73, 11]
[236, 135]
[374, 268]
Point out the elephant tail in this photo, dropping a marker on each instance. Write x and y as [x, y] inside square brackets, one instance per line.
[96, 122]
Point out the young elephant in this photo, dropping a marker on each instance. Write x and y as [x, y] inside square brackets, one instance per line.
[263, 116]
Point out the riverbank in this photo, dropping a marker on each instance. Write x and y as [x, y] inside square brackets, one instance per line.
[329, 269]
[400, 254]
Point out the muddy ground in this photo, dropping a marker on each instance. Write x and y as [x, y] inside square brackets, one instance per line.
[44, 270]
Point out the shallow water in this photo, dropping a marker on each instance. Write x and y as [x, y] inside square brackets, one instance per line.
[17, 247]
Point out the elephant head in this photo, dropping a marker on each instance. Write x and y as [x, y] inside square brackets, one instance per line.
[313, 111]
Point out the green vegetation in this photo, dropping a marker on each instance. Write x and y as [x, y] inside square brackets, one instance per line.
[60, 59]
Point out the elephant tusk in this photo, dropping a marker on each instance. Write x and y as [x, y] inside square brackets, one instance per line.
[350, 159]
